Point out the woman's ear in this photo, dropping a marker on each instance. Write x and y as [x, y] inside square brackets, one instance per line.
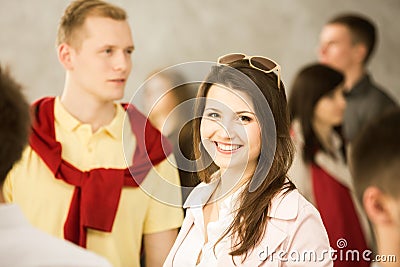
[377, 206]
[64, 52]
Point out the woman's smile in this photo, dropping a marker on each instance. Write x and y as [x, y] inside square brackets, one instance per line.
[227, 148]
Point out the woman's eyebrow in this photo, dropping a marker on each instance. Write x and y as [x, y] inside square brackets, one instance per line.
[245, 111]
[213, 109]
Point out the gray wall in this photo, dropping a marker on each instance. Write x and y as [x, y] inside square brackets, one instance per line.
[175, 31]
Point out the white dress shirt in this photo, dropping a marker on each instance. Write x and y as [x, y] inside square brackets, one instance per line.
[194, 243]
[294, 225]
[22, 245]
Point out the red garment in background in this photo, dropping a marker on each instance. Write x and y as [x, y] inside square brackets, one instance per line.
[97, 192]
[334, 203]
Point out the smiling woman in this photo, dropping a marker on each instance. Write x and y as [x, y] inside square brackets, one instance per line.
[246, 208]
[231, 131]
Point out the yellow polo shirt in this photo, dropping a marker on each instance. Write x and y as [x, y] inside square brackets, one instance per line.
[45, 200]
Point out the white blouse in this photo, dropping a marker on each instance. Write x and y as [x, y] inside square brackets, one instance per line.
[194, 242]
[294, 225]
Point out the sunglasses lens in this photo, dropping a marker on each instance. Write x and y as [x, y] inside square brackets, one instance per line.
[263, 63]
[230, 58]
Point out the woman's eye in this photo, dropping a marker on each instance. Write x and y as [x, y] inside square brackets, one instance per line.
[213, 115]
[245, 118]
[108, 51]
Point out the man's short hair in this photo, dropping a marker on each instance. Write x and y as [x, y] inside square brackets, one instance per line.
[362, 31]
[14, 121]
[375, 155]
[75, 15]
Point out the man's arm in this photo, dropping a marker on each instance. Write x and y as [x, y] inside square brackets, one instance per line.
[157, 246]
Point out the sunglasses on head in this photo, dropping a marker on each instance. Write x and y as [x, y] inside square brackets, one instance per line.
[263, 64]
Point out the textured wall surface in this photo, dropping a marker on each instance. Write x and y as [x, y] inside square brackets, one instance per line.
[176, 31]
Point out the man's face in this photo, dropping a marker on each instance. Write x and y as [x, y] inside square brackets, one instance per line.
[336, 47]
[102, 63]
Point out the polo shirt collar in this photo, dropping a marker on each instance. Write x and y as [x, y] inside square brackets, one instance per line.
[115, 128]
[70, 123]
[63, 117]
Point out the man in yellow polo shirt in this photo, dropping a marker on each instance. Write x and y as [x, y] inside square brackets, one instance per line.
[75, 181]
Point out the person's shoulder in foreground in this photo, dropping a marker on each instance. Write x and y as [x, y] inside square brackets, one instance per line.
[375, 165]
[22, 245]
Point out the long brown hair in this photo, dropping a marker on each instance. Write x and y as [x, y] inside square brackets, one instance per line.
[249, 224]
[313, 82]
